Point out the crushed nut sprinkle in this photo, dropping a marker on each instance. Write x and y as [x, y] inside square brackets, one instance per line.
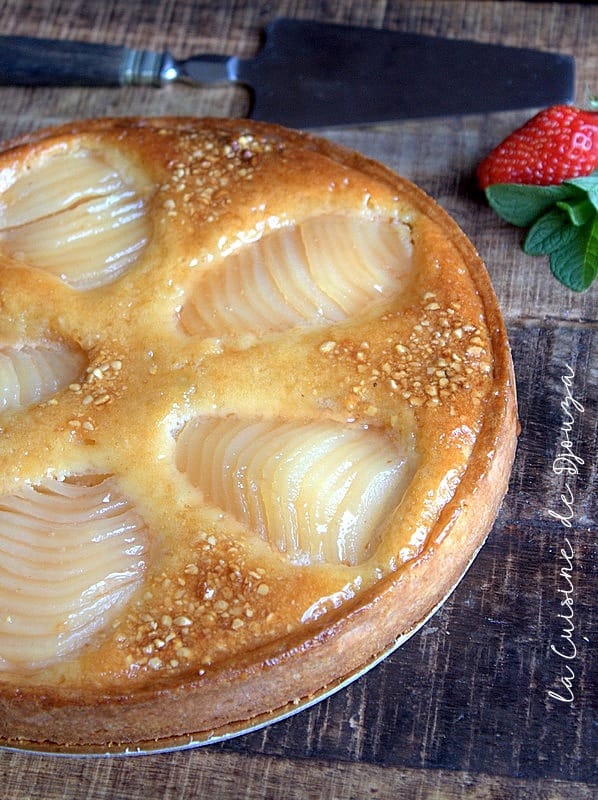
[101, 385]
[169, 623]
[201, 176]
[441, 356]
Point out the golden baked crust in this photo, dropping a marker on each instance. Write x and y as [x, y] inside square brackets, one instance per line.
[219, 624]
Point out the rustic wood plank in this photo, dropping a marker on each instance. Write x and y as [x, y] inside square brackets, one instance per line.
[209, 773]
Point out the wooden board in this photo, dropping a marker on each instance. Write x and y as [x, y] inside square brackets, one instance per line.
[470, 706]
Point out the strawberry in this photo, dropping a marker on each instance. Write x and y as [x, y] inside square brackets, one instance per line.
[559, 143]
[544, 177]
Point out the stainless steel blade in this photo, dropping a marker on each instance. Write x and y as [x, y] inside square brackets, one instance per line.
[311, 75]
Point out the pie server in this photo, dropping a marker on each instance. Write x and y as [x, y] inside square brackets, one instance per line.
[312, 74]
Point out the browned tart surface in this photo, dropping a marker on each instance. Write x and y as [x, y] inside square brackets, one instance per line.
[257, 415]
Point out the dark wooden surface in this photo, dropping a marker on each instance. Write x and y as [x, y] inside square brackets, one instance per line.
[464, 709]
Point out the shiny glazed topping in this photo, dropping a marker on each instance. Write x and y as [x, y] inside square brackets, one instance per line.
[226, 400]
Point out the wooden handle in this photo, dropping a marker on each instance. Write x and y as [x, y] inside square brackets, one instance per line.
[26, 61]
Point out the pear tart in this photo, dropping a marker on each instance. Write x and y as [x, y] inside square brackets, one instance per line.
[257, 416]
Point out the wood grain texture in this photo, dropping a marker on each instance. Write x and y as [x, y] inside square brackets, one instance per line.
[208, 773]
[463, 709]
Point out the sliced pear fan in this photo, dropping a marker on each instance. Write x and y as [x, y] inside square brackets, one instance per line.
[317, 491]
[75, 215]
[33, 373]
[321, 271]
[71, 554]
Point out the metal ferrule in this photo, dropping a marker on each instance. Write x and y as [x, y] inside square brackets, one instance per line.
[146, 68]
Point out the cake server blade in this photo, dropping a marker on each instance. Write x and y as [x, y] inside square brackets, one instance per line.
[310, 74]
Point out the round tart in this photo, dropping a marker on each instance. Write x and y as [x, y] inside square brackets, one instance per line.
[257, 413]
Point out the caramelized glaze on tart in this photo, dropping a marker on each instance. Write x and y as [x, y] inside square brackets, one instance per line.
[257, 416]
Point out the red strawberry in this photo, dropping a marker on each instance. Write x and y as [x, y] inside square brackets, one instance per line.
[559, 143]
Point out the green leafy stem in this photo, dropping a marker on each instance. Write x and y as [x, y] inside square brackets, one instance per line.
[562, 222]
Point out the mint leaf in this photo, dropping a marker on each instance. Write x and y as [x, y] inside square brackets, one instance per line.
[522, 204]
[550, 233]
[588, 184]
[575, 264]
[585, 182]
[563, 222]
[578, 211]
